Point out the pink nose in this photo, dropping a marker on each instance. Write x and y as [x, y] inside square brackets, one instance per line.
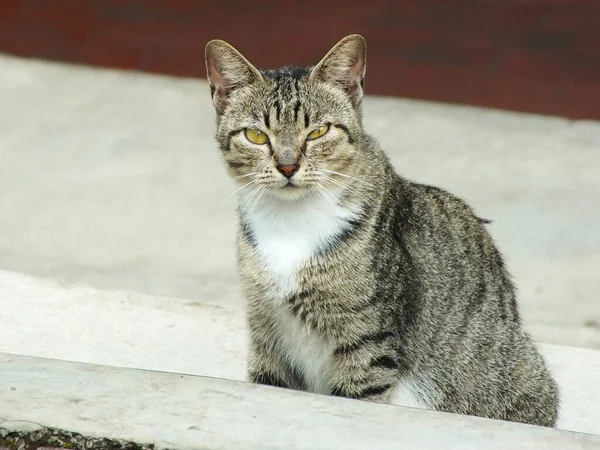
[288, 170]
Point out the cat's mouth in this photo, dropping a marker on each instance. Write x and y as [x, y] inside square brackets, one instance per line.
[290, 190]
[289, 184]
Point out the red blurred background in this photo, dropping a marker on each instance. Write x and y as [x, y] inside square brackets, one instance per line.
[528, 55]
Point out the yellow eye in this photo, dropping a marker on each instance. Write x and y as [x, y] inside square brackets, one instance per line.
[256, 136]
[318, 133]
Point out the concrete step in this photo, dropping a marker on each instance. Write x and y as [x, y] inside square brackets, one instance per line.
[45, 318]
[190, 412]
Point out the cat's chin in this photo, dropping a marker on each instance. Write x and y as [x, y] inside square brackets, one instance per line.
[290, 192]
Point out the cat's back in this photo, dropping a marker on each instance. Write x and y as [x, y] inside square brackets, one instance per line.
[452, 266]
[432, 222]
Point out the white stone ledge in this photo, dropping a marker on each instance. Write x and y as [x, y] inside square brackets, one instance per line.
[190, 412]
[48, 319]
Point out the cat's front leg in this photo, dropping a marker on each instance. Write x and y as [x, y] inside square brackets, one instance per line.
[264, 368]
[366, 369]
[265, 364]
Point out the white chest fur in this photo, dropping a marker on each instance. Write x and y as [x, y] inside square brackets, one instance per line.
[306, 351]
[289, 232]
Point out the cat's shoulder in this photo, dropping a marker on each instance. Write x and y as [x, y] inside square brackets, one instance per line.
[439, 203]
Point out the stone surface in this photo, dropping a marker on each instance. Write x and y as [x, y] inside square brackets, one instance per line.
[120, 328]
[114, 179]
[186, 412]
[54, 320]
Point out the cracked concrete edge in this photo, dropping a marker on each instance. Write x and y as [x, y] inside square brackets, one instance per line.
[22, 426]
[170, 410]
[30, 436]
[27, 431]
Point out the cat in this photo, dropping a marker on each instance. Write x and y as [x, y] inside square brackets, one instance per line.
[360, 283]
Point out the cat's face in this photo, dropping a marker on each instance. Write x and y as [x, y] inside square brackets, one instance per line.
[288, 131]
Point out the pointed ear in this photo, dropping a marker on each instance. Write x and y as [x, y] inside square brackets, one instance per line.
[345, 66]
[227, 70]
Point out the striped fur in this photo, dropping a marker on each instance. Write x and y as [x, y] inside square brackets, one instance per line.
[360, 283]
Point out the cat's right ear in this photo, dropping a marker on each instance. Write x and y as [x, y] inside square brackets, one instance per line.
[227, 70]
[345, 66]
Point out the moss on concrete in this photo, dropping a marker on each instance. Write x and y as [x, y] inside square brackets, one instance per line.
[49, 438]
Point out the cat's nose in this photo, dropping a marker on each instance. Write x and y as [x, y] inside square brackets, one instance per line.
[287, 170]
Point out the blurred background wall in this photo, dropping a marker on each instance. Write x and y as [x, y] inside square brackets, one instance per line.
[539, 56]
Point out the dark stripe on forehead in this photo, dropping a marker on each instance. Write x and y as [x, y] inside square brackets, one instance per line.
[295, 73]
[306, 119]
[278, 110]
[267, 121]
[296, 110]
[286, 83]
[299, 72]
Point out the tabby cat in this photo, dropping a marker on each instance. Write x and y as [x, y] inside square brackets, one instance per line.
[360, 283]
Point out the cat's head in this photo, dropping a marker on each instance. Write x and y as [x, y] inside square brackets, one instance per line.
[290, 131]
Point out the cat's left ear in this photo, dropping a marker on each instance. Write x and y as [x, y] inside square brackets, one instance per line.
[345, 66]
[227, 70]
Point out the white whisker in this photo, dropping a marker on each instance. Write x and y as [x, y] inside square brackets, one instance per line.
[239, 189]
[342, 175]
[328, 194]
[345, 186]
[251, 197]
[259, 197]
[247, 198]
[244, 176]
[317, 188]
